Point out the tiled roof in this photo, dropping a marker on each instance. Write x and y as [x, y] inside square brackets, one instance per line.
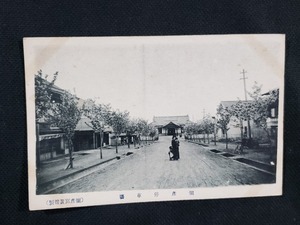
[54, 88]
[171, 125]
[164, 120]
[57, 89]
[83, 125]
[273, 90]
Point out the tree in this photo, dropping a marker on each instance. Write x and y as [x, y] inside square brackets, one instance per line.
[118, 120]
[188, 130]
[140, 127]
[243, 111]
[146, 131]
[261, 105]
[224, 116]
[197, 128]
[99, 115]
[130, 130]
[258, 108]
[193, 129]
[42, 103]
[66, 115]
[43, 94]
[207, 126]
[152, 132]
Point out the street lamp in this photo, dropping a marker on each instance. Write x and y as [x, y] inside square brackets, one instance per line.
[214, 118]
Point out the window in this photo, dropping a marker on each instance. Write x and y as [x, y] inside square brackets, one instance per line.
[273, 114]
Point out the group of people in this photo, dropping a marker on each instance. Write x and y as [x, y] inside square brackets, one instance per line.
[174, 148]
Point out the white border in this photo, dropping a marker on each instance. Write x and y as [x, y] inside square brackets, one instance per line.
[38, 202]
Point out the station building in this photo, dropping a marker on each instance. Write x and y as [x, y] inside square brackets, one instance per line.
[170, 125]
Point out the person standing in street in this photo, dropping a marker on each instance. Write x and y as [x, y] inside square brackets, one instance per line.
[174, 144]
[177, 146]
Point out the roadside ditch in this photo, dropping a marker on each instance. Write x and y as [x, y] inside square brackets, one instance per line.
[271, 169]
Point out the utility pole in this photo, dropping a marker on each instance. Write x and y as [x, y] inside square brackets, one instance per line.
[244, 78]
[245, 90]
[203, 113]
[144, 71]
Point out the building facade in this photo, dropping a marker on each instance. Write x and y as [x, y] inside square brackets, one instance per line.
[170, 125]
[51, 142]
[50, 139]
[85, 138]
[272, 121]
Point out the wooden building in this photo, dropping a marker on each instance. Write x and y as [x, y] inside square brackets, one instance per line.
[170, 125]
[85, 138]
[50, 139]
[51, 143]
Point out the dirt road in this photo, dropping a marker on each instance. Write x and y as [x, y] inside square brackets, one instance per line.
[150, 168]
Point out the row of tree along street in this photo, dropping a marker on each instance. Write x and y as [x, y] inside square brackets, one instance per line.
[65, 110]
[65, 113]
[256, 110]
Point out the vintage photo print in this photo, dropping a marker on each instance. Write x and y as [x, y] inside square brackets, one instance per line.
[116, 120]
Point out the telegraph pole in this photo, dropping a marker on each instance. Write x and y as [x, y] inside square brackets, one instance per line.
[203, 119]
[245, 90]
[244, 78]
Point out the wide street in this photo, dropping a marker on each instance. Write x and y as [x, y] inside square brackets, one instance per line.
[150, 168]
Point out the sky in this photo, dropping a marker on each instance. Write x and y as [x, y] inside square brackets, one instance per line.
[160, 76]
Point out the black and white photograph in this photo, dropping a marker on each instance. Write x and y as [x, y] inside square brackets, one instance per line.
[115, 120]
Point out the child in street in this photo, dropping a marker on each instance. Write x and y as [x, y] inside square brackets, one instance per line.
[171, 153]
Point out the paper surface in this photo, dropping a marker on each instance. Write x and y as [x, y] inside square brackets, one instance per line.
[172, 82]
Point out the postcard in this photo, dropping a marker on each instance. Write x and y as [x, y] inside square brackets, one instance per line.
[114, 120]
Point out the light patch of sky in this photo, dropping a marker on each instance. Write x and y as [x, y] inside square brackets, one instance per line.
[163, 77]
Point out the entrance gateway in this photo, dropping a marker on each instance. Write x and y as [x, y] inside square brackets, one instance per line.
[171, 129]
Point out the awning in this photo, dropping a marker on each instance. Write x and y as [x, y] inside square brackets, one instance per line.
[50, 136]
[271, 122]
